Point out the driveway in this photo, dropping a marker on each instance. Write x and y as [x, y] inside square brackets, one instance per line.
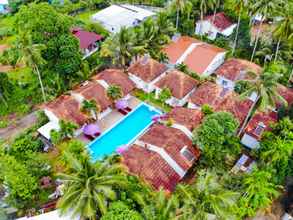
[18, 126]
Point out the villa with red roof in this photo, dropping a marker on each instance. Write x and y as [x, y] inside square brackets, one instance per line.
[207, 94]
[180, 84]
[257, 125]
[145, 72]
[234, 70]
[88, 41]
[213, 25]
[115, 77]
[161, 157]
[200, 57]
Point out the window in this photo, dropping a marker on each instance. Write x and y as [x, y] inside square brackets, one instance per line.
[187, 154]
[259, 129]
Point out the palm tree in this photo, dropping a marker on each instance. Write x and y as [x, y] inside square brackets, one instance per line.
[239, 6]
[114, 92]
[284, 29]
[266, 86]
[179, 5]
[89, 186]
[121, 47]
[32, 57]
[166, 27]
[161, 207]
[265, 8]
[259, 191]
[205, 5]
[67, 129]
[91, 107]
[206, 197]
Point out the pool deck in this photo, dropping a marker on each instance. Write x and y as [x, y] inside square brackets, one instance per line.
[112, 118]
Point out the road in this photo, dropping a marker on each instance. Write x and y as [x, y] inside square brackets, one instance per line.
[18, 126]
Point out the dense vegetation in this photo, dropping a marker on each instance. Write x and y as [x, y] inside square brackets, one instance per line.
[46, 62]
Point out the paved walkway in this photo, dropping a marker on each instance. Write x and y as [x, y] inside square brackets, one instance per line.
[18, 126]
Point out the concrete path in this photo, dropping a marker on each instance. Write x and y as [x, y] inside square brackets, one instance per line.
[18, 126]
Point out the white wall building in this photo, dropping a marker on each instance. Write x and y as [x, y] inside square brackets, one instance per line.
[212, 26]
[146, 72]
[115, 17]
[198, 56]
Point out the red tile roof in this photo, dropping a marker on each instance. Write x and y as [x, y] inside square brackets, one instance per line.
[238, 69]
[260, 117]
[116, 77]
[172, 141]
[178, 82]
[93, 90]
[67, 108]
[208, 93]
[221, 21]
[200, 57]
[86, 38]
[175, 49]
[148, 69]
[236, 106]
[190, 118]
[151, 167]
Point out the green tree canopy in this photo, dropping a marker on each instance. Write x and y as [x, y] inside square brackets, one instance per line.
[22, 185]
[120, 211]
[215, 136]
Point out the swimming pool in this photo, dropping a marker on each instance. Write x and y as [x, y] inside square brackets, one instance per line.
[123, 132]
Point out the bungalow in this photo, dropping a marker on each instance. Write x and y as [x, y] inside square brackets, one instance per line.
[180, 84]
[115, 77]
[88, 41]
[92, 90]
[189, 118]
[239, 108]
[3, 6]
[145, 72]
[234, 70]
[65, 108]
[207, 94]
[259, 123]
[162, 157]
[200, 57]
[215, 24]
[115, 17]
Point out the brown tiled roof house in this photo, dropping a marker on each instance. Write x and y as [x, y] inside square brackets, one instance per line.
[116, 77]
[147, 69]
[178, 82]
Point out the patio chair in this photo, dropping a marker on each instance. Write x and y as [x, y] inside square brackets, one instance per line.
[128, 109]
[123, 112]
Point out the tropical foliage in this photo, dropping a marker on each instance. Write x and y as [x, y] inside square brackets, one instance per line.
[207, 198]
[215, 137]
[90, 186]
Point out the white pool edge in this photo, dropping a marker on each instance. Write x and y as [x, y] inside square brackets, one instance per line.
[122, 119]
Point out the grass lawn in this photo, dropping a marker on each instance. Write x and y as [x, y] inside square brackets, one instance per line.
[86, 16]
[150, 98]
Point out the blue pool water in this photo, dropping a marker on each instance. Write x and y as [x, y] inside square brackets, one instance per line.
[124, 132]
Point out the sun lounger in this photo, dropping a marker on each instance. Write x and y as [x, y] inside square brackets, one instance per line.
[128, 109]
[123, 112]
[89, 137]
